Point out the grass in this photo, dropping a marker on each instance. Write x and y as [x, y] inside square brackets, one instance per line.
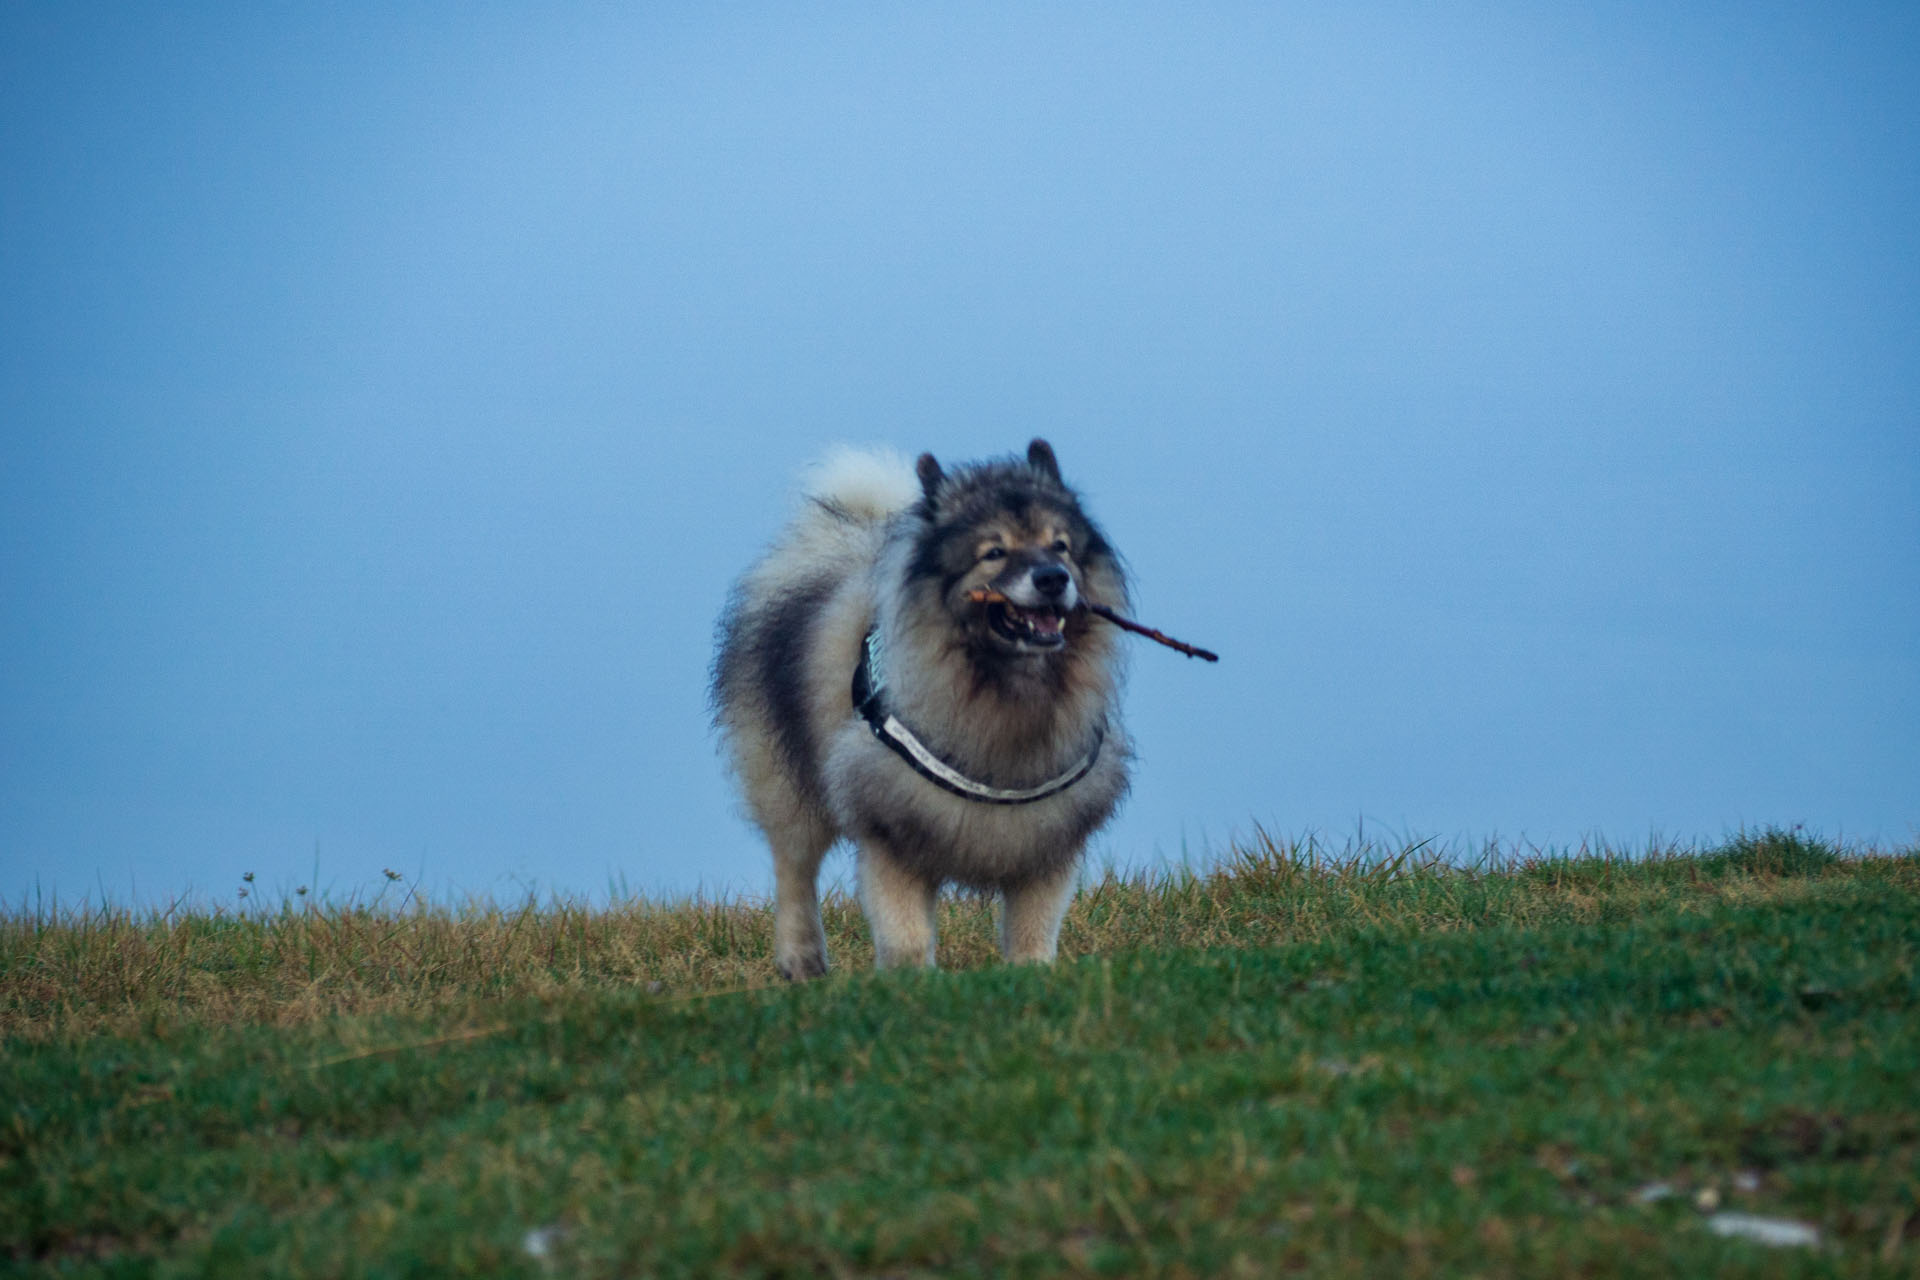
[1373, 1062]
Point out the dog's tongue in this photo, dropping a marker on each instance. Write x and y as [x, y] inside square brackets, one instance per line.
[1044, 621]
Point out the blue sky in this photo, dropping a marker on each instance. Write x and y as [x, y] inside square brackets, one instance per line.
[1524, 400]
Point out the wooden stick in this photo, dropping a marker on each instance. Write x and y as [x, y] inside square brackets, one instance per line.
[987, 595]
[1127, 624]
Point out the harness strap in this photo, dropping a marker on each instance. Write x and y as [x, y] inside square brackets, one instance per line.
[869, 683]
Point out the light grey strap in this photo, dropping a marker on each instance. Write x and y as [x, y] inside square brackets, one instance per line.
[945, 773]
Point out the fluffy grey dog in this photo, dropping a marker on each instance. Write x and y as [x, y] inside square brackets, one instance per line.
[912, 667]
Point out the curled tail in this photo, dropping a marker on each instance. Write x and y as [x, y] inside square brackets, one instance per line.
[862, 484]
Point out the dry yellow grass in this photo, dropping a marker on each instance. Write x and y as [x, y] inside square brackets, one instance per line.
[113, 969]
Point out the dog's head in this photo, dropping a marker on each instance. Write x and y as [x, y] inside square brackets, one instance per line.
[1011, 556]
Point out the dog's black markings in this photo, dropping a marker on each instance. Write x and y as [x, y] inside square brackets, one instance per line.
[764, 650]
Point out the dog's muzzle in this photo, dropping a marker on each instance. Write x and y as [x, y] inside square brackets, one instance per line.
[1031, 610]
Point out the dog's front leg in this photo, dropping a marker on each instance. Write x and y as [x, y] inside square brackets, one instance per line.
[899, 906]
[799, 942]
[1030, 915]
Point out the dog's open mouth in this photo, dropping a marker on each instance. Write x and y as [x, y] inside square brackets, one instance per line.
[1043, 628]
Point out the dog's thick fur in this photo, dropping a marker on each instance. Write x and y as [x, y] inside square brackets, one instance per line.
[1010, 693]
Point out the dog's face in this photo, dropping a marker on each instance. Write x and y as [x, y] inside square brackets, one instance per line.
[1029, 590]
[1012, 555]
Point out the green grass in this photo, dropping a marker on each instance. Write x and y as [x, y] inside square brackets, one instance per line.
[1362, 1065]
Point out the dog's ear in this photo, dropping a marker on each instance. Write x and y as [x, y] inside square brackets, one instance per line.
[1040, 458]
[930, 474]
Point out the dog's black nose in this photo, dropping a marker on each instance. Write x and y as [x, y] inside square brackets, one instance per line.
[1050, 580]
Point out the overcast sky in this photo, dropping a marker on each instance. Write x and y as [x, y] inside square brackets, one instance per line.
[1524, 400]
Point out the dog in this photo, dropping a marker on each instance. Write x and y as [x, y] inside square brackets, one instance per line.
[912, 667]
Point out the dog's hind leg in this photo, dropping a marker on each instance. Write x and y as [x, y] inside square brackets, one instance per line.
[799, 940]
[1030, 915]
[899, 907]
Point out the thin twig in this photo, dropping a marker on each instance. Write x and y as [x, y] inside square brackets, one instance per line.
[1128, 624]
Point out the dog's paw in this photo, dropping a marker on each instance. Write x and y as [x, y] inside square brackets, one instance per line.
[803, 967]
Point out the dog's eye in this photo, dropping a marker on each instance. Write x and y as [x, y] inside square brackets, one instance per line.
[994, 553]
[1060, 546]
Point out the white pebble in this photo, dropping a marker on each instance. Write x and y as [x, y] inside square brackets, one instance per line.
[1772, 1231]
[541, 1241]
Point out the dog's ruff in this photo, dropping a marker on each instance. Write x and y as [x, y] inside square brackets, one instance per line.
[869, 699]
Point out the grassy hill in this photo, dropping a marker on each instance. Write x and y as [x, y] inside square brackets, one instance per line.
[1358, 1066]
